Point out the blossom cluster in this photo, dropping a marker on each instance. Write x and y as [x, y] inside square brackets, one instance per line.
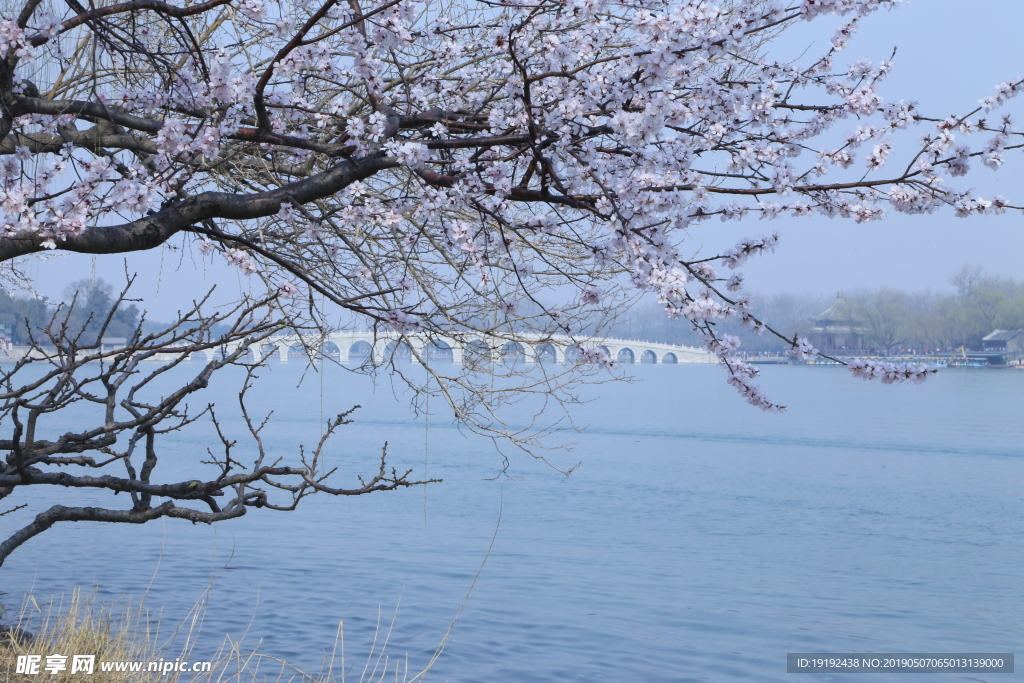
[740, 374]
[888, 372]
[803, 349]
[740, 377]
[593, 355]
[402, 321]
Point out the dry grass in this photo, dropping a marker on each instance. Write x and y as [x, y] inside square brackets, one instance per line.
[119, 631]
[124, 631]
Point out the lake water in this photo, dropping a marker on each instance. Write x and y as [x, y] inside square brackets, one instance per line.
[699, 540]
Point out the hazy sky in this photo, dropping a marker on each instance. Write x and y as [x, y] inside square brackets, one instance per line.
[950, 54]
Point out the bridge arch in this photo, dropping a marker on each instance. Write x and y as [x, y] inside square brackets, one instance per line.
[399, 350]
[546, 353]
[438, 351]
[363, 346]
[476, 351]
[330, 349]
[571, 354]
[270, 351]
[512, 352]
[204, 356]
[361, 351]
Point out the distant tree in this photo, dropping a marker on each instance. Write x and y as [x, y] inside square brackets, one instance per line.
[967, 278]
[925, 326]
[20, 315]
[982, 304]
[1010, 315]
[88, 302]
[885, 316]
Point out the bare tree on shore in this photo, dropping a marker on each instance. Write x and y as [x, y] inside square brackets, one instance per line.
[126, 409]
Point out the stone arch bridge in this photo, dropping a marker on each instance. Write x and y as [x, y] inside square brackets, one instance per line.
[363, 347]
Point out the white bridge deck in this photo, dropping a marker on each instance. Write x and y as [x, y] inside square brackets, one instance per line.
[381, 347]
[349, 346]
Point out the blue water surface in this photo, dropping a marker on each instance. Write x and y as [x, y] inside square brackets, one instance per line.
[698, 540]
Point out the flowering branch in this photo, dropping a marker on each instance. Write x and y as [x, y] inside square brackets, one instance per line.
[439, 162]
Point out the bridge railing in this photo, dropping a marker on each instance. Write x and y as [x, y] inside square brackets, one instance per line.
[378, 348]
[347, 345]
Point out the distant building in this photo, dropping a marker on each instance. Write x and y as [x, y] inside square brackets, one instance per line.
[837, 327]
[1009, 343]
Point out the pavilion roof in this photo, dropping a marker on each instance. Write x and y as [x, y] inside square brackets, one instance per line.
[839, 311]
[1001, 335]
